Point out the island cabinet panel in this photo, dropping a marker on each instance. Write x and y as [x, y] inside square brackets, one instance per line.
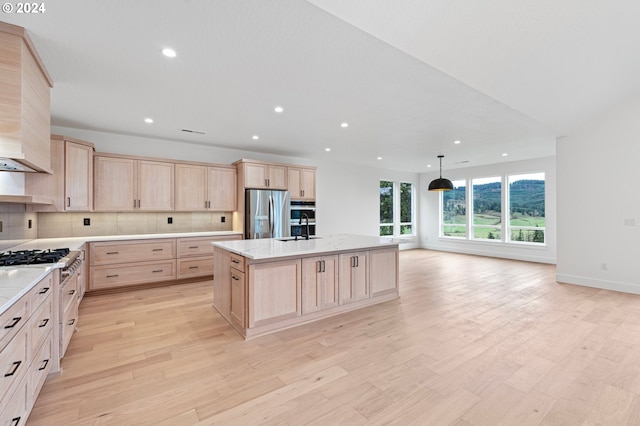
[383, 272]
[274, 291]
[319, 283]
[222, 282]
[353, 277]
[237, 311]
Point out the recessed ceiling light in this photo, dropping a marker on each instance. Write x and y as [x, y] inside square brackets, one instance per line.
[255, 137]
[428, 165]
[456, 142]
[344, 125]
[168, 52]
[148, 120]
[379, 158]
[327, 149]
[279, 109]
[504, 154]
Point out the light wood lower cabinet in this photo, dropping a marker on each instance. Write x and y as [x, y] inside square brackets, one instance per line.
[274, 291]
[195, 255]
[26, 350]
[354, 277]
[237, 307]
[127, 274]
[319, 283]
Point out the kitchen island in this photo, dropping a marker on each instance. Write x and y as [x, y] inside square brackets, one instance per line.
[265, 285]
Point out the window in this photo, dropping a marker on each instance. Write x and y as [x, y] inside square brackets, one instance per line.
[396, 201]
[526, 208]
[487, 208]
[454, 210]
[386, 207]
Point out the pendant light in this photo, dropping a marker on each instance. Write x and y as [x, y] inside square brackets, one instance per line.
[440, 184]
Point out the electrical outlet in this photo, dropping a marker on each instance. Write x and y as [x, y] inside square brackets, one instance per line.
[222, 219]
[86, 221]
[169, 220]
[29, 224]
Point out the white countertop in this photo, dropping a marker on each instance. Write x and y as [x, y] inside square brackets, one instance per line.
[270, 248]
[16, 281]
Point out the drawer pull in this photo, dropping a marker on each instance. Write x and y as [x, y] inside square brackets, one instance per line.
[44, 364]
[15, 366]
[112, 276]
[15, 322]
[15, 421]
[44, 290]
[71, 292]
[235, 261]
[235, 278]
[44, 323]
[158, 249]
[193, 247]
[193, 267]
[73, 321]
[157, 270]
[113, 252]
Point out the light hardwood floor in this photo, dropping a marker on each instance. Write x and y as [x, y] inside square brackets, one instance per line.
[471, 341]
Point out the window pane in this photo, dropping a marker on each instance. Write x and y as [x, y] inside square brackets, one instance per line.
[528, 235]
[406, 229]
[454, 231]
[454, 209]
[487, 208]
[386, 203]
[386, 230]
[405, 203]
[527, 208]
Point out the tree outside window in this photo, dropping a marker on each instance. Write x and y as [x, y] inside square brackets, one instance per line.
[487, 208]
[386, 207]
[396, 208]
[527, 208]
[454, 210]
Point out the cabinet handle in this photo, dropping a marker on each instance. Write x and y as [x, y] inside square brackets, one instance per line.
[112, 276]
[193, 267]
[157, 249]
[134, 204]
[233, 277]
[15, 366]
[193, 247]
[44, 323]
[319, 265]
[357, 261]
[15, 322]
[113, 252]
[44, 290]
[157, 270]
[45, 362]
[68, 201]
[73, 321]
[235, 261]
[15, 421]
[324, 266]
[71, 292]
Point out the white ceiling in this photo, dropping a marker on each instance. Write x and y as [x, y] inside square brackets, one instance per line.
[409, 76]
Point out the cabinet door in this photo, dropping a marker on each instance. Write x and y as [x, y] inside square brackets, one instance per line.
[155, 185]
[190, 187]
[329, 293]
[274, 292]
[222, 189]
[295, 191]
[255, 175]
[383, 271]
[308, 184]
[78, 177]
[353, 277]
[311, 284]
[238, 298]
[277, 177]
[115, 184]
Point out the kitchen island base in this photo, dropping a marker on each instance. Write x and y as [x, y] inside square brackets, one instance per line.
[259, 295]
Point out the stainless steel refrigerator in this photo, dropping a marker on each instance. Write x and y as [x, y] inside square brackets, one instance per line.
[267, 214]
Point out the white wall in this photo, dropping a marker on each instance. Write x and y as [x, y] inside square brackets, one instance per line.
[430, 205]
[347, 195]
[598, 174]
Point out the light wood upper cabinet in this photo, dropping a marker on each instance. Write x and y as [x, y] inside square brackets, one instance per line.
[25, 121]
[128, 184]
[71, 184]
[264, 175]
[200, 188]
[302, 183]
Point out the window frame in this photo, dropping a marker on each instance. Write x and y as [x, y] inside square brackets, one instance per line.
[396, 225]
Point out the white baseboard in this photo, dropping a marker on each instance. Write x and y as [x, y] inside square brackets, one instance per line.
[596, 283]
[528, 257]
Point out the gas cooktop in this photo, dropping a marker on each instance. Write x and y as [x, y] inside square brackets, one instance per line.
[32, 257]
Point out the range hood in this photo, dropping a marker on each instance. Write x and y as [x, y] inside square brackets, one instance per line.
[11, 165]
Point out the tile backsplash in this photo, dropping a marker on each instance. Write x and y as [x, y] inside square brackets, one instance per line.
[53, 225]
[15, 225]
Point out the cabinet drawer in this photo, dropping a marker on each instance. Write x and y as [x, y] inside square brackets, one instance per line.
[132, 251]
[67, 327]
[40, 366]
[237, 262]
[41, 324]
[12, 320]
[14, 412]
[195, 247]
[69, 292]
[131, 274]
[41, 291]
[195, 267]
[13, 362]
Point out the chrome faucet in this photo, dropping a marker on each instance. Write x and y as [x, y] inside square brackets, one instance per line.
[306, 217]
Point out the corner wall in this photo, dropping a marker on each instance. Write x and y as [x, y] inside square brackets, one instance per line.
[598, 202]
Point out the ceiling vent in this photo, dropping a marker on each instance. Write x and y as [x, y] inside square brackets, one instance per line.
[192, 131]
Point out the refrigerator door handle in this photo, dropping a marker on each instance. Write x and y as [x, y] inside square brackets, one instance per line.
[271, 214]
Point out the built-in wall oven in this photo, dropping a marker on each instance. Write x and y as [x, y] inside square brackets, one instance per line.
[300, 211]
